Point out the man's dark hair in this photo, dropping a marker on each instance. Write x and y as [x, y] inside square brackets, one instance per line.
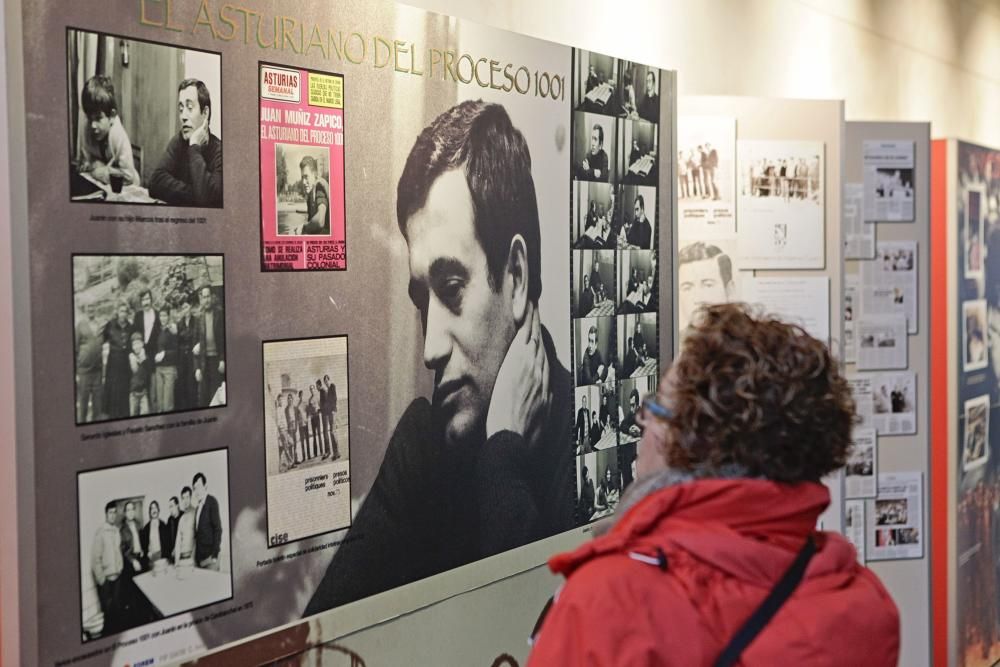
[146, 292]
[110, 506]
[98, 95]
[600, 133]
[641, 202]
[197, 476]
[204, 99]
[699, 251]
[480, 138]
[129, 503]
[326, 377]
[150, 508]
[187, 490]
[174, 500]
[633, 394]
[309, 161]
[592, 330]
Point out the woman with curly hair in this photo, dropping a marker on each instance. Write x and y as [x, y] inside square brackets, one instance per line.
[713, 557]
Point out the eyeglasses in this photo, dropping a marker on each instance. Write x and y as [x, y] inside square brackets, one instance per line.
[651, 408]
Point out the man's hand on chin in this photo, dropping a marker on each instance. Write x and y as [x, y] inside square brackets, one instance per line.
[521, 399]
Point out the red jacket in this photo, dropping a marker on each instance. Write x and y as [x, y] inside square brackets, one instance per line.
[726, 543]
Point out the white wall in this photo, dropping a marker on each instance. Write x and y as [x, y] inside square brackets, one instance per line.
[924, 60]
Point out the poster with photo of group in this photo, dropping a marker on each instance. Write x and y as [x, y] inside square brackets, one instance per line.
[706, 165]
[219, 447]
[615, 224]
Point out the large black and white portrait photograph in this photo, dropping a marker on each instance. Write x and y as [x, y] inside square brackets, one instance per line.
[149, 335]
[154, 541]
[630, 395]
[639, 147]
[638, 283]
[638, 226]
[639, 92]
[781, 204]
[976, 448]
[596, 216]
[595, 147]
[594, 289]
[302, 189]
[638, 345]
[595, 87]
[145, 122]
[306, 437]
[594, 344]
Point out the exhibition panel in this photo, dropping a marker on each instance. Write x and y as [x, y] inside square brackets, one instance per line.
[259, 426]
[966, 210]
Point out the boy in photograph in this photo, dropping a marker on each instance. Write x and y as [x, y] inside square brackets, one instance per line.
[106, 148]
[138, 397]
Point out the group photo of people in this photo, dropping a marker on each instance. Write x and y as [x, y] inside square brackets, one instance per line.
[638, 282]
[594, 289]
[149, 335]
[599, 485]
[596, 423]
[615, 87]
[638, 347]
[154, 541]
[791, 177]
[893, 394]
[116, 153]
[893, 183]
[305, 407]
[697, 171]
[891, 512]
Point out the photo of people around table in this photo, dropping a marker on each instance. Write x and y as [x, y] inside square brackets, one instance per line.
[599, 485]
[149, 335]
[145, 122]
[597, 83]
[639, 144]
[154, 541]
[638, 346]
[594, 289]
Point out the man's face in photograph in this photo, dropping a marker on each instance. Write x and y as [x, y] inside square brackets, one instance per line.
[206, 297]
[650, 83]
[467, 324]
[591, 342]
[146, 302]
[191, 115]
[199, 490]
[639, 213]
[172, 508]
[111, 515]
[700, 283]
[308, 179]
[595, 141]
[154, 512]
[185, 501]
[130, 512]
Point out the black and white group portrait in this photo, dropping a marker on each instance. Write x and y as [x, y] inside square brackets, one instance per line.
[893, 184]
[786, 177]
[891, 512]
[154, 541]
[145, 122]
[594, 285]
[302, 183]
[638, 346]
[149, 335]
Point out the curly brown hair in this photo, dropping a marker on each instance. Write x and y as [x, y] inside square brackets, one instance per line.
[752, 390]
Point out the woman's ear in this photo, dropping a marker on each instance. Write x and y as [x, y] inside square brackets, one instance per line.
[517, 275]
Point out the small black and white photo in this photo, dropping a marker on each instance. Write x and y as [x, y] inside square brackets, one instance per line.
[595, 86]
[608, 483]
[861, 462]
[586, 488]
[154, 540]
[301, 171]
[893, 184]
[145, 122]
[639, 144]
[861, 470]
[586, 430]
[892, 393]
[638, 228]
[639, 92]
[787, 177]
[149, 335]
[594, 290]
[896, 257]
[638, 286]
[974, 243]
[878, 338]
[976, 448]
[630, 395]
[638, 345]
[595, 147]
[594, 344]
[596, 216]
[891, 512]
[975, 334]
[306, 437]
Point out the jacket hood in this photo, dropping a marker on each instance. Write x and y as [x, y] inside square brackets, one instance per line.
[747, 528]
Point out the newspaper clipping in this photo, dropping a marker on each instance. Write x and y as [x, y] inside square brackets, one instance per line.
[302, 170]
[888, 181]
[859, 236]
[896, 517]
[706, 170]
[889, 284]
[306, 438]
[862, 465]
[882, 342]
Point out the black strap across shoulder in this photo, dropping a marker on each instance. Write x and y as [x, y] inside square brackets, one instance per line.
[768, 608]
